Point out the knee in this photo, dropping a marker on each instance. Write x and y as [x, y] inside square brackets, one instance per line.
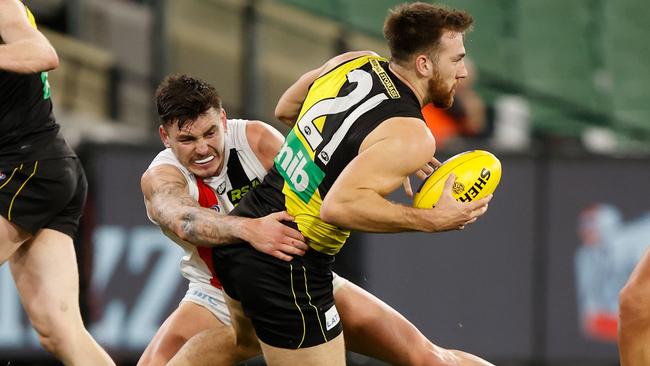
[56, 335]
[634, 302]
[53, 338]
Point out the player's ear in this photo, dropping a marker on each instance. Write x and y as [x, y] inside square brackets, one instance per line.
[424, 65]
[224, 117]
[164, 137]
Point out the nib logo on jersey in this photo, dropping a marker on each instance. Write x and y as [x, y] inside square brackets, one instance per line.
[298, 169]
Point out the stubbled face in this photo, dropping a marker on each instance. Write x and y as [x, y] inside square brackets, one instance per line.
[200, 144]
[449, 70]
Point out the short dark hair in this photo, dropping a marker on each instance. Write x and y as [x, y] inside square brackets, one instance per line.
[418, 27]
[181, 99]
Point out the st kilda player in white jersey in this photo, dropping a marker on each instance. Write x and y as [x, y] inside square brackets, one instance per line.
[241, 173]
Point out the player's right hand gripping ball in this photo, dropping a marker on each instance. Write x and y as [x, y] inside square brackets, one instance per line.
[477, 173]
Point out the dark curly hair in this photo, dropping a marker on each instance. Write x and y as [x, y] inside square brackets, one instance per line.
[417, 28]
[181, 99]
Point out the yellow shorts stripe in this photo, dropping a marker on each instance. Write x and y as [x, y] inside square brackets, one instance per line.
[304, 271]
[20, 189]
[295, 300]
[12, 175]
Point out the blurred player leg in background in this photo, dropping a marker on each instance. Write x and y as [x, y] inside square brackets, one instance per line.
[634, 318]
[45, 272]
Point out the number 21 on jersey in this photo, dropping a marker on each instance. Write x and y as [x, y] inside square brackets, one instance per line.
[295, 161]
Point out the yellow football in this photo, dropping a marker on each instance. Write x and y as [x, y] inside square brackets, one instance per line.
[477, 173]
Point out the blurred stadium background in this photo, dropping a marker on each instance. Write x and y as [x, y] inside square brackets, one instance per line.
[535, 282]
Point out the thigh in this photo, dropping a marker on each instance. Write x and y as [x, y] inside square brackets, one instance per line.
[220, 346]
[374, 329]
[209, 297]
[331, 353]
[244, 330]
[47, 279]
[188, 320]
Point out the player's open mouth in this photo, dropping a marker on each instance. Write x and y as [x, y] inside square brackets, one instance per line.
[203, 161]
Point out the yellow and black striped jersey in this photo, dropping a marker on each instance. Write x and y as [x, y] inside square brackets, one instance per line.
[28, 129]
[341, 108]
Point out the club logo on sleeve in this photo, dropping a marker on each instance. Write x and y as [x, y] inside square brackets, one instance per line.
[221, 188]
[298, 169]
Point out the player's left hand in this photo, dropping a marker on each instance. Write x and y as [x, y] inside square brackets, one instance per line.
[421, 173]
[270, 236]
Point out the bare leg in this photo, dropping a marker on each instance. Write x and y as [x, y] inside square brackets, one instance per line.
[634, 322]
[373, 328]
[185, 322]
[218, 346]
[213, 347]
[331, 353]
[45, 271]
[11, 237]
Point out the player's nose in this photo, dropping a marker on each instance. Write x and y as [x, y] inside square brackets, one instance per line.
[461, 73]
[202, 147]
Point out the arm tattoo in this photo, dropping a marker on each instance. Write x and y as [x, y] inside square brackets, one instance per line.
[174, 209]
[187, 224]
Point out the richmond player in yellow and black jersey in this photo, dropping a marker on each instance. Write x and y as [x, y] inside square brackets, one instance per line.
[358, 135]
[337, 115]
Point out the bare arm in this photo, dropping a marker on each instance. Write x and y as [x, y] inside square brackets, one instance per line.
[290, 102]
[397, 148]
[25, 49]
[169, 203]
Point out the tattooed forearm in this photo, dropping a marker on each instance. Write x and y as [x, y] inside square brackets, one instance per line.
[187, 223]
[204, 227]
[182, 215]
[171, 206]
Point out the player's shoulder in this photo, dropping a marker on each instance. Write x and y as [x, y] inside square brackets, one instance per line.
[236, 122]
[351, 55]
[166, 164]
[165, 156]
[256, 130]
[338, 60]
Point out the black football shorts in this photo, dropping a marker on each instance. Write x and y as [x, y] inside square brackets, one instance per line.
[290, 304]
[44, 194]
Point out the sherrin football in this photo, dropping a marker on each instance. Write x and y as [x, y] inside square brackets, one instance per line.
[477, 175]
